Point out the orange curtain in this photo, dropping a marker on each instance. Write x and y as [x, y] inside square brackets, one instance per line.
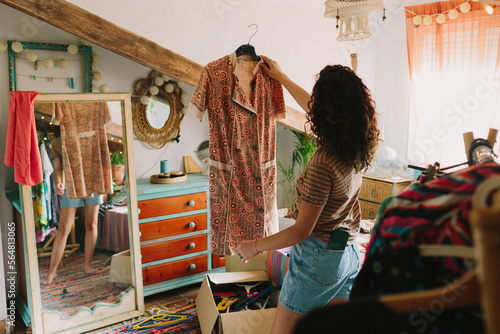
[464, 43]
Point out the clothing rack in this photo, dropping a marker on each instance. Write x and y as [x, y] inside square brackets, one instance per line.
[485, 219]
[479, 286]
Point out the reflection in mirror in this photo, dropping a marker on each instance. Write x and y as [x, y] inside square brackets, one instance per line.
[157, 110]
[72, 274]
[87, 250]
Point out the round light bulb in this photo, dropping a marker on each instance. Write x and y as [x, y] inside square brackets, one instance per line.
[465, 7]
[159, 81]
[84, 42]
[417, 20]
[441, 18]
[96, 59]
[31, 56]
[17, 47]
[63, 63]
[453, 14]
[185, 110]
[154, 90]
[427, 20]
[185, 97]
[48, 63]
[180, 84]
[96, 76]
[72, 49]
[488, 9]
[104, 88]
[169, 88]
[145, 100]
[3, 46]
[165, 77]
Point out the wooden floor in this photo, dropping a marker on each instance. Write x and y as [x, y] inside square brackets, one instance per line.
[165, 300]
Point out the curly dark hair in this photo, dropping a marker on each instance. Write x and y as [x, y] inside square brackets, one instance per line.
[343, 117]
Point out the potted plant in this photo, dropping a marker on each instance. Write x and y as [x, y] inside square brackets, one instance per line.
[117, 167]
[304, 148]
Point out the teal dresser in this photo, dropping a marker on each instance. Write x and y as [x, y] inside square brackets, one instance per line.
[174, 233]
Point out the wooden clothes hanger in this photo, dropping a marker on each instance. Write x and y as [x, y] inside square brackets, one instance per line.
[479, 286]
[247, 49]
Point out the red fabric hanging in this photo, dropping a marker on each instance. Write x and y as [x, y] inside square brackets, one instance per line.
[22, 142]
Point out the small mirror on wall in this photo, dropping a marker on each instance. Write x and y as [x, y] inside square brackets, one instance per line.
[157, 110]
[50, 68]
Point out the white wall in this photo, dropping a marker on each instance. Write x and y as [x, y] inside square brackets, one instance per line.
[294, 32]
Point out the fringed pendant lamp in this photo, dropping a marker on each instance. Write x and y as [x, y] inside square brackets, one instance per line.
[352, 22]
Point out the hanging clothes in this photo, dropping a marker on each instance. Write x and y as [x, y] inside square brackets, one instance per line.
[241, 101]
[55, 200]
[44, 196]
[436, 212]
[85, 152]
[22, 142]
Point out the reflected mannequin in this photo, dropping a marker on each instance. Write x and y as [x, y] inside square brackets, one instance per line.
[67, 218]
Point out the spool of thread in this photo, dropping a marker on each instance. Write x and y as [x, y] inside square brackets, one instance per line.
[164, 166]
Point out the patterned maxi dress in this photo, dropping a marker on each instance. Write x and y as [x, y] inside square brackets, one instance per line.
[85, 152]
[241, 101]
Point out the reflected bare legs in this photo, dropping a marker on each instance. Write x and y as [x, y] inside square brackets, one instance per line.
[67, 217]
[91, 213]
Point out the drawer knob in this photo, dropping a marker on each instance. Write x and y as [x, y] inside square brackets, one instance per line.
[192, 267]
[140, 233]
[192, 245]
[138, 211]
[374, 192]
[192, 224]
[371, 215]
[191, 203]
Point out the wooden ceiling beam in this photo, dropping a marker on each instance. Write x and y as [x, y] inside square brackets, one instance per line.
[95, 29]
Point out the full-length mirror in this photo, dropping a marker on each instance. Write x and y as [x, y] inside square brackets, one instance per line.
[81, 230]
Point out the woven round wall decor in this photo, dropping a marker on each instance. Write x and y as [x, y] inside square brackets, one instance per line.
[156, 138]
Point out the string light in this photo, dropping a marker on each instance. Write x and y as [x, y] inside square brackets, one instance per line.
[158, 81]
[453, 13]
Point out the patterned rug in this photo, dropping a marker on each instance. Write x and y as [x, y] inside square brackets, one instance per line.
[72, 288]
[189, 327]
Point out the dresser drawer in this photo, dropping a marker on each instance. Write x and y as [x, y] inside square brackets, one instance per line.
[168, 249]
[368, 209]
[375, 191]
[174, 269]
[168, 227]
[170, 205]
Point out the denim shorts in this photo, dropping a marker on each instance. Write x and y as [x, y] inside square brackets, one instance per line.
[316, 275]
[80, 202]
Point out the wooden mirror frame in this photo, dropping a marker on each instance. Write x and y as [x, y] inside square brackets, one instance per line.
[157, 138]
[131, 303]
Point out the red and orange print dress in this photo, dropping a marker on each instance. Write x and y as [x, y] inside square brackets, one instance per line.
[241, 101]
[85, 152]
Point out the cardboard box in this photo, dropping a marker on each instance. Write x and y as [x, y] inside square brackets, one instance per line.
[242, 322]
[120, 270]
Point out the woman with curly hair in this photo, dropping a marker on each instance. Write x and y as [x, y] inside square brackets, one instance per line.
[324, 260]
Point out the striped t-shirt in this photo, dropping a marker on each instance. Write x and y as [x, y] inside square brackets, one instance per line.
[328, 181]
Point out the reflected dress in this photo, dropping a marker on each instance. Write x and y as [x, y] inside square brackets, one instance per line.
[84, 152]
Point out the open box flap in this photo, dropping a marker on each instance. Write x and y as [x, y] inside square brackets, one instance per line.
[239, 277]
[205, 301]
[255, 321]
